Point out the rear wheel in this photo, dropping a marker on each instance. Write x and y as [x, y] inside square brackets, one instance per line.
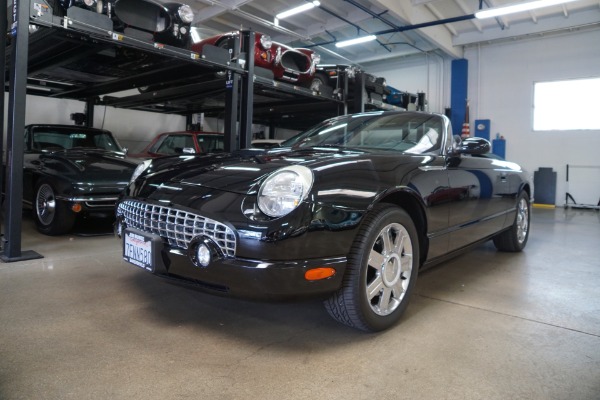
[515, 238]
[381, 272]
[52, 217]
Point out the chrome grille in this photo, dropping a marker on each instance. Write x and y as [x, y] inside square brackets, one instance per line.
[177, 227]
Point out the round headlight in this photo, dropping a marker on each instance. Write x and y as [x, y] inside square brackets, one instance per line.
[139, 170]
[266, 42]
[186, 13]
[284, 190]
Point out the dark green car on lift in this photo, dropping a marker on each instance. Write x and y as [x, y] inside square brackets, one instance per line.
[71, 171]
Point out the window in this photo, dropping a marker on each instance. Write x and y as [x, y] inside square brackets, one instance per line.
[174, 144]
[566, 105]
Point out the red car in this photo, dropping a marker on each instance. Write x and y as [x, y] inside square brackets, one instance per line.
[288, 64]
[185, 142]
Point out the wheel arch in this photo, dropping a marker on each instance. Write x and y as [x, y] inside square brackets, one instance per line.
[415, 208]
[527, 188]
[61, 185]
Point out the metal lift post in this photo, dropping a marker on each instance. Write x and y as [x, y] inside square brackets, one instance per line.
[11, 249]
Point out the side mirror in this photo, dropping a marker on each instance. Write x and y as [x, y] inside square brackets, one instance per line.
[188, 150]
[472, 145]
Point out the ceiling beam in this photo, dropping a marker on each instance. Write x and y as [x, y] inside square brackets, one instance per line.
[331, 24]
[546, 25]
[439, 15]
[217, 8]
[466, 10]
[412, 15]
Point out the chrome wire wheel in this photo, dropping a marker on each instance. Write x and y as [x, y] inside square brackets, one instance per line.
[389, 269]
[45, 204]
[522, 220]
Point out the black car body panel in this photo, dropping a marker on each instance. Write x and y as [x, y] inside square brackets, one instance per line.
[146, 19]
[83, 166]
[454, 199]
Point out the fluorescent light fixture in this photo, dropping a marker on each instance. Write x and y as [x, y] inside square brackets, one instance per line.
[358, 40]
[519, 7]
[297, 10]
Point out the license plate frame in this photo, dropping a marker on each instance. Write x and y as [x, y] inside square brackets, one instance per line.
[141, 249]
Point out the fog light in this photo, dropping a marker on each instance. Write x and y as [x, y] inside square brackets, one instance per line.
[76, 207]
[317, 274]
[203, 255]
[203, 251]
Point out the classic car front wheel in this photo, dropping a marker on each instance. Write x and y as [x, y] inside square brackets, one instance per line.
[52, 217]
[318, 82]
[381, 272]
[515, 238]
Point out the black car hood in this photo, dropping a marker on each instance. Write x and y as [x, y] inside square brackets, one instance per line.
[95, 164]
[244, 171]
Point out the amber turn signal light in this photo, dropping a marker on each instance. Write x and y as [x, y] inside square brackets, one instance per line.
[316, 274]
[76, 207]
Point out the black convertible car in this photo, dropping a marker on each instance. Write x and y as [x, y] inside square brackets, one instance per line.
[350, 209]
[70, 171]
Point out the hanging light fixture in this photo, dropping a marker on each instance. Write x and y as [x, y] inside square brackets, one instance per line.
[357, 40]
[518, 7]
[298, 10]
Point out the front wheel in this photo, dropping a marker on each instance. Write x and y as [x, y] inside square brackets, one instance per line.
[318, 82]
[381, 272]
[515, 238]
[52, 217]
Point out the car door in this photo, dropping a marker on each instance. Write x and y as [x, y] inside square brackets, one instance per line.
[480, 200]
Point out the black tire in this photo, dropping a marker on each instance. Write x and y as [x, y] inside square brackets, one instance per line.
[390, 280]
[318, 82]
[52, 217]
[515, 238]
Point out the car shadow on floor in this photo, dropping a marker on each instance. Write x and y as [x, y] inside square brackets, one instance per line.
[89, 226]
[291, 324]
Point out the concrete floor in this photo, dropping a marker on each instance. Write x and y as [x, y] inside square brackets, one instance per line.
[82, 324]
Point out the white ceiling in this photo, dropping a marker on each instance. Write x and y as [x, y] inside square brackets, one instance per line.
[345, 19]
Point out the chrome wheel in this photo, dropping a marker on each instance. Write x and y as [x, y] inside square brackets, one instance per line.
[515, 237]
[389, 269]
[45, 204]
[381, 272]
[522, 220]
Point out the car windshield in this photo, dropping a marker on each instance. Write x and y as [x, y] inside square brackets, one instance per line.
[70, 138]
[415, 133]
[211, 143]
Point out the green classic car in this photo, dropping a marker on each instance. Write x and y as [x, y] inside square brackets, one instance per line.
[71, 171]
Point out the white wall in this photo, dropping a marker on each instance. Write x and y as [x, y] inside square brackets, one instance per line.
[133, 129]
[428, 73]
[501, 79]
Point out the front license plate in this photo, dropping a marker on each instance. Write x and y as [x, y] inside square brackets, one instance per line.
[138, 250]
